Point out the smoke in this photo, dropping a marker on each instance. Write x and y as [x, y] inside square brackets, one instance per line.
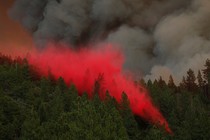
[155, 35]
[182, 39]
[137, 46]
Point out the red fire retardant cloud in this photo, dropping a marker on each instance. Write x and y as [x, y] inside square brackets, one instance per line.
[83, 67]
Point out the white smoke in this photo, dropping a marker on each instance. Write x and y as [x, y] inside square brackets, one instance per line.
[182, 39]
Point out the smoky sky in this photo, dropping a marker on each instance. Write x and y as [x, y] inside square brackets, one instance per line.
[158, 37]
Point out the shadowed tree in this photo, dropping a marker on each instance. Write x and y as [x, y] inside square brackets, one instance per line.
[206, 71]
[161, 82]
[183, 85]
[206, 76]
[190, 81]
[171, 83]
[128, 118]
[200, 79]
[149, 83]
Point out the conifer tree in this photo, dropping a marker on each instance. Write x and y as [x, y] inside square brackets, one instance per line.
[206, 71]
[190, 80]
[182, 85]
[161, 82]
[171, 82]
[128, 118]
[155, 82]
[149, 83]
[200, 79]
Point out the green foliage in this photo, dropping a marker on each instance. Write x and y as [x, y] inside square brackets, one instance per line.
[128, 118]
[34, 108]
[43, 109]
[11, 118]
[190, 81]
[186, 113]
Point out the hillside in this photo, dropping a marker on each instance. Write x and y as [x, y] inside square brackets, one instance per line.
[34, 107]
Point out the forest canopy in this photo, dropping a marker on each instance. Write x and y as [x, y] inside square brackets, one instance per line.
[35, 107]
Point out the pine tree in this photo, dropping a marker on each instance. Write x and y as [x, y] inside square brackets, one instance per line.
[182, 85]
[61, 84]
[190, 80]
[149, 83]
[161, 82]
[98, 85]
[200, 79]
[206, 71]
[155, 82]
[128, 118]
[171, 82]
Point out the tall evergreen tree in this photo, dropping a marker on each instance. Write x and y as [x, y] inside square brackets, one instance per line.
[200, 79]
[161, 82]
[128, 118]
[190, 81]
[171, 82]
[182, 85]
[206, 71]
[149, 83]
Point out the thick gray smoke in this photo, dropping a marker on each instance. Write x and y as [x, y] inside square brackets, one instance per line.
[158, 37]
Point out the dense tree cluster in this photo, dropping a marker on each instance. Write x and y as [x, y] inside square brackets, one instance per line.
[37, 108]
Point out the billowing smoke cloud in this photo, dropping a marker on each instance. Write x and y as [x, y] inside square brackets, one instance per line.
[137, 46]
[158, 37]
[182, 39]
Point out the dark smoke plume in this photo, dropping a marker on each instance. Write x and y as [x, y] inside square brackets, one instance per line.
[159, 37]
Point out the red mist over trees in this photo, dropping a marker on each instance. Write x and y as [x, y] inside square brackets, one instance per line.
[86, 66]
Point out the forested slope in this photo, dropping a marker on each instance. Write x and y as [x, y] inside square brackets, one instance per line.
[34, 107]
